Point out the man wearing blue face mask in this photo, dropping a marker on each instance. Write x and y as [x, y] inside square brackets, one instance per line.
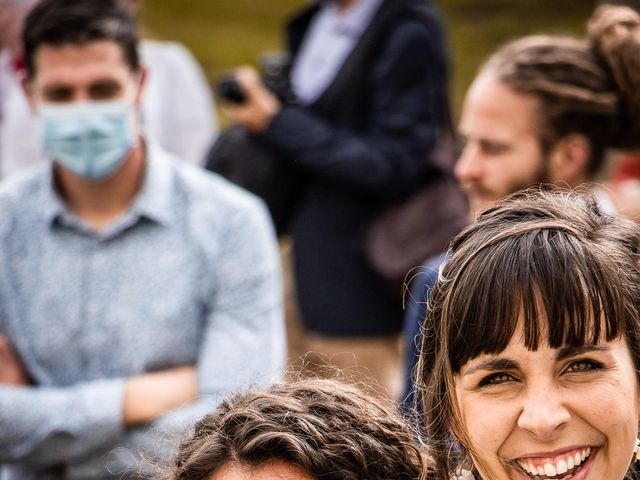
[136, 290]
[89, 138]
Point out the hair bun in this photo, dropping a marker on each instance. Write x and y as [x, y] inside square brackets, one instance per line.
[614, 34]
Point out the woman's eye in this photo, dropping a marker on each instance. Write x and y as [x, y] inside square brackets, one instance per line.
[496, 379]
[580, 366]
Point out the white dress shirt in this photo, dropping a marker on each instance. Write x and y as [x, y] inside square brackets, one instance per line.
[330, 39]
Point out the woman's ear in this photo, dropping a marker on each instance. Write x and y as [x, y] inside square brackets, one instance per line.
[569, 160]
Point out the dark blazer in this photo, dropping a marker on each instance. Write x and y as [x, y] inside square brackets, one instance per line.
[360, 149]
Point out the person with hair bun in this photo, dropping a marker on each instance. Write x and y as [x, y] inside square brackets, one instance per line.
[618, 29]
[531, 347]
[311, 430]
[545, 110]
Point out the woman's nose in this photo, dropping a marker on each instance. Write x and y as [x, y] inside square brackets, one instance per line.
[543, 414]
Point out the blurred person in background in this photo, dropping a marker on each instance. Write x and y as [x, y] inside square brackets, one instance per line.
[544, 110]
[369, 76]
[137, 290]
[625, 176]
[19, 146]
[177, 107]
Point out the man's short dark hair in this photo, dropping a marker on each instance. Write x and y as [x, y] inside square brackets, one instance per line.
[77, 22]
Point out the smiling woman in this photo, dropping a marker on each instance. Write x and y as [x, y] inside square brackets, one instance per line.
[531, 345]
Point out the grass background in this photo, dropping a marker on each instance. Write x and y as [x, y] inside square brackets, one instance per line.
[225, 33]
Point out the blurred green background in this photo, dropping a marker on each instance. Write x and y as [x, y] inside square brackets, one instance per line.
[225, 33]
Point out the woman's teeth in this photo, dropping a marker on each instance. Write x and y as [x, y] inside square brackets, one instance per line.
[552, 468]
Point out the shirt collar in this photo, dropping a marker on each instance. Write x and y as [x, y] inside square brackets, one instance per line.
[52, 205]
[356, 19]
[153, 201]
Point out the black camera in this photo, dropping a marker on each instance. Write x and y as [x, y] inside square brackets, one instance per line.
[230, 90]
[275, 70]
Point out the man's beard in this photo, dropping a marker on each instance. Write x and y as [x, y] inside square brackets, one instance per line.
[541, 178]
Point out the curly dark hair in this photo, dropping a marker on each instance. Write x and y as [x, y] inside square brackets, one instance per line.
[329, 430]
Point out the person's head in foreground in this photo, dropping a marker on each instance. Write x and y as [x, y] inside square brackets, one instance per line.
[544, 109]
[531, 348]
[312, 430]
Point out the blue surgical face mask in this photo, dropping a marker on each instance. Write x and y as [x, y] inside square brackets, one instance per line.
[89, 138]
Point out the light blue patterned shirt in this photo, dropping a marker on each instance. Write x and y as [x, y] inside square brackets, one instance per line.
[189, 275]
